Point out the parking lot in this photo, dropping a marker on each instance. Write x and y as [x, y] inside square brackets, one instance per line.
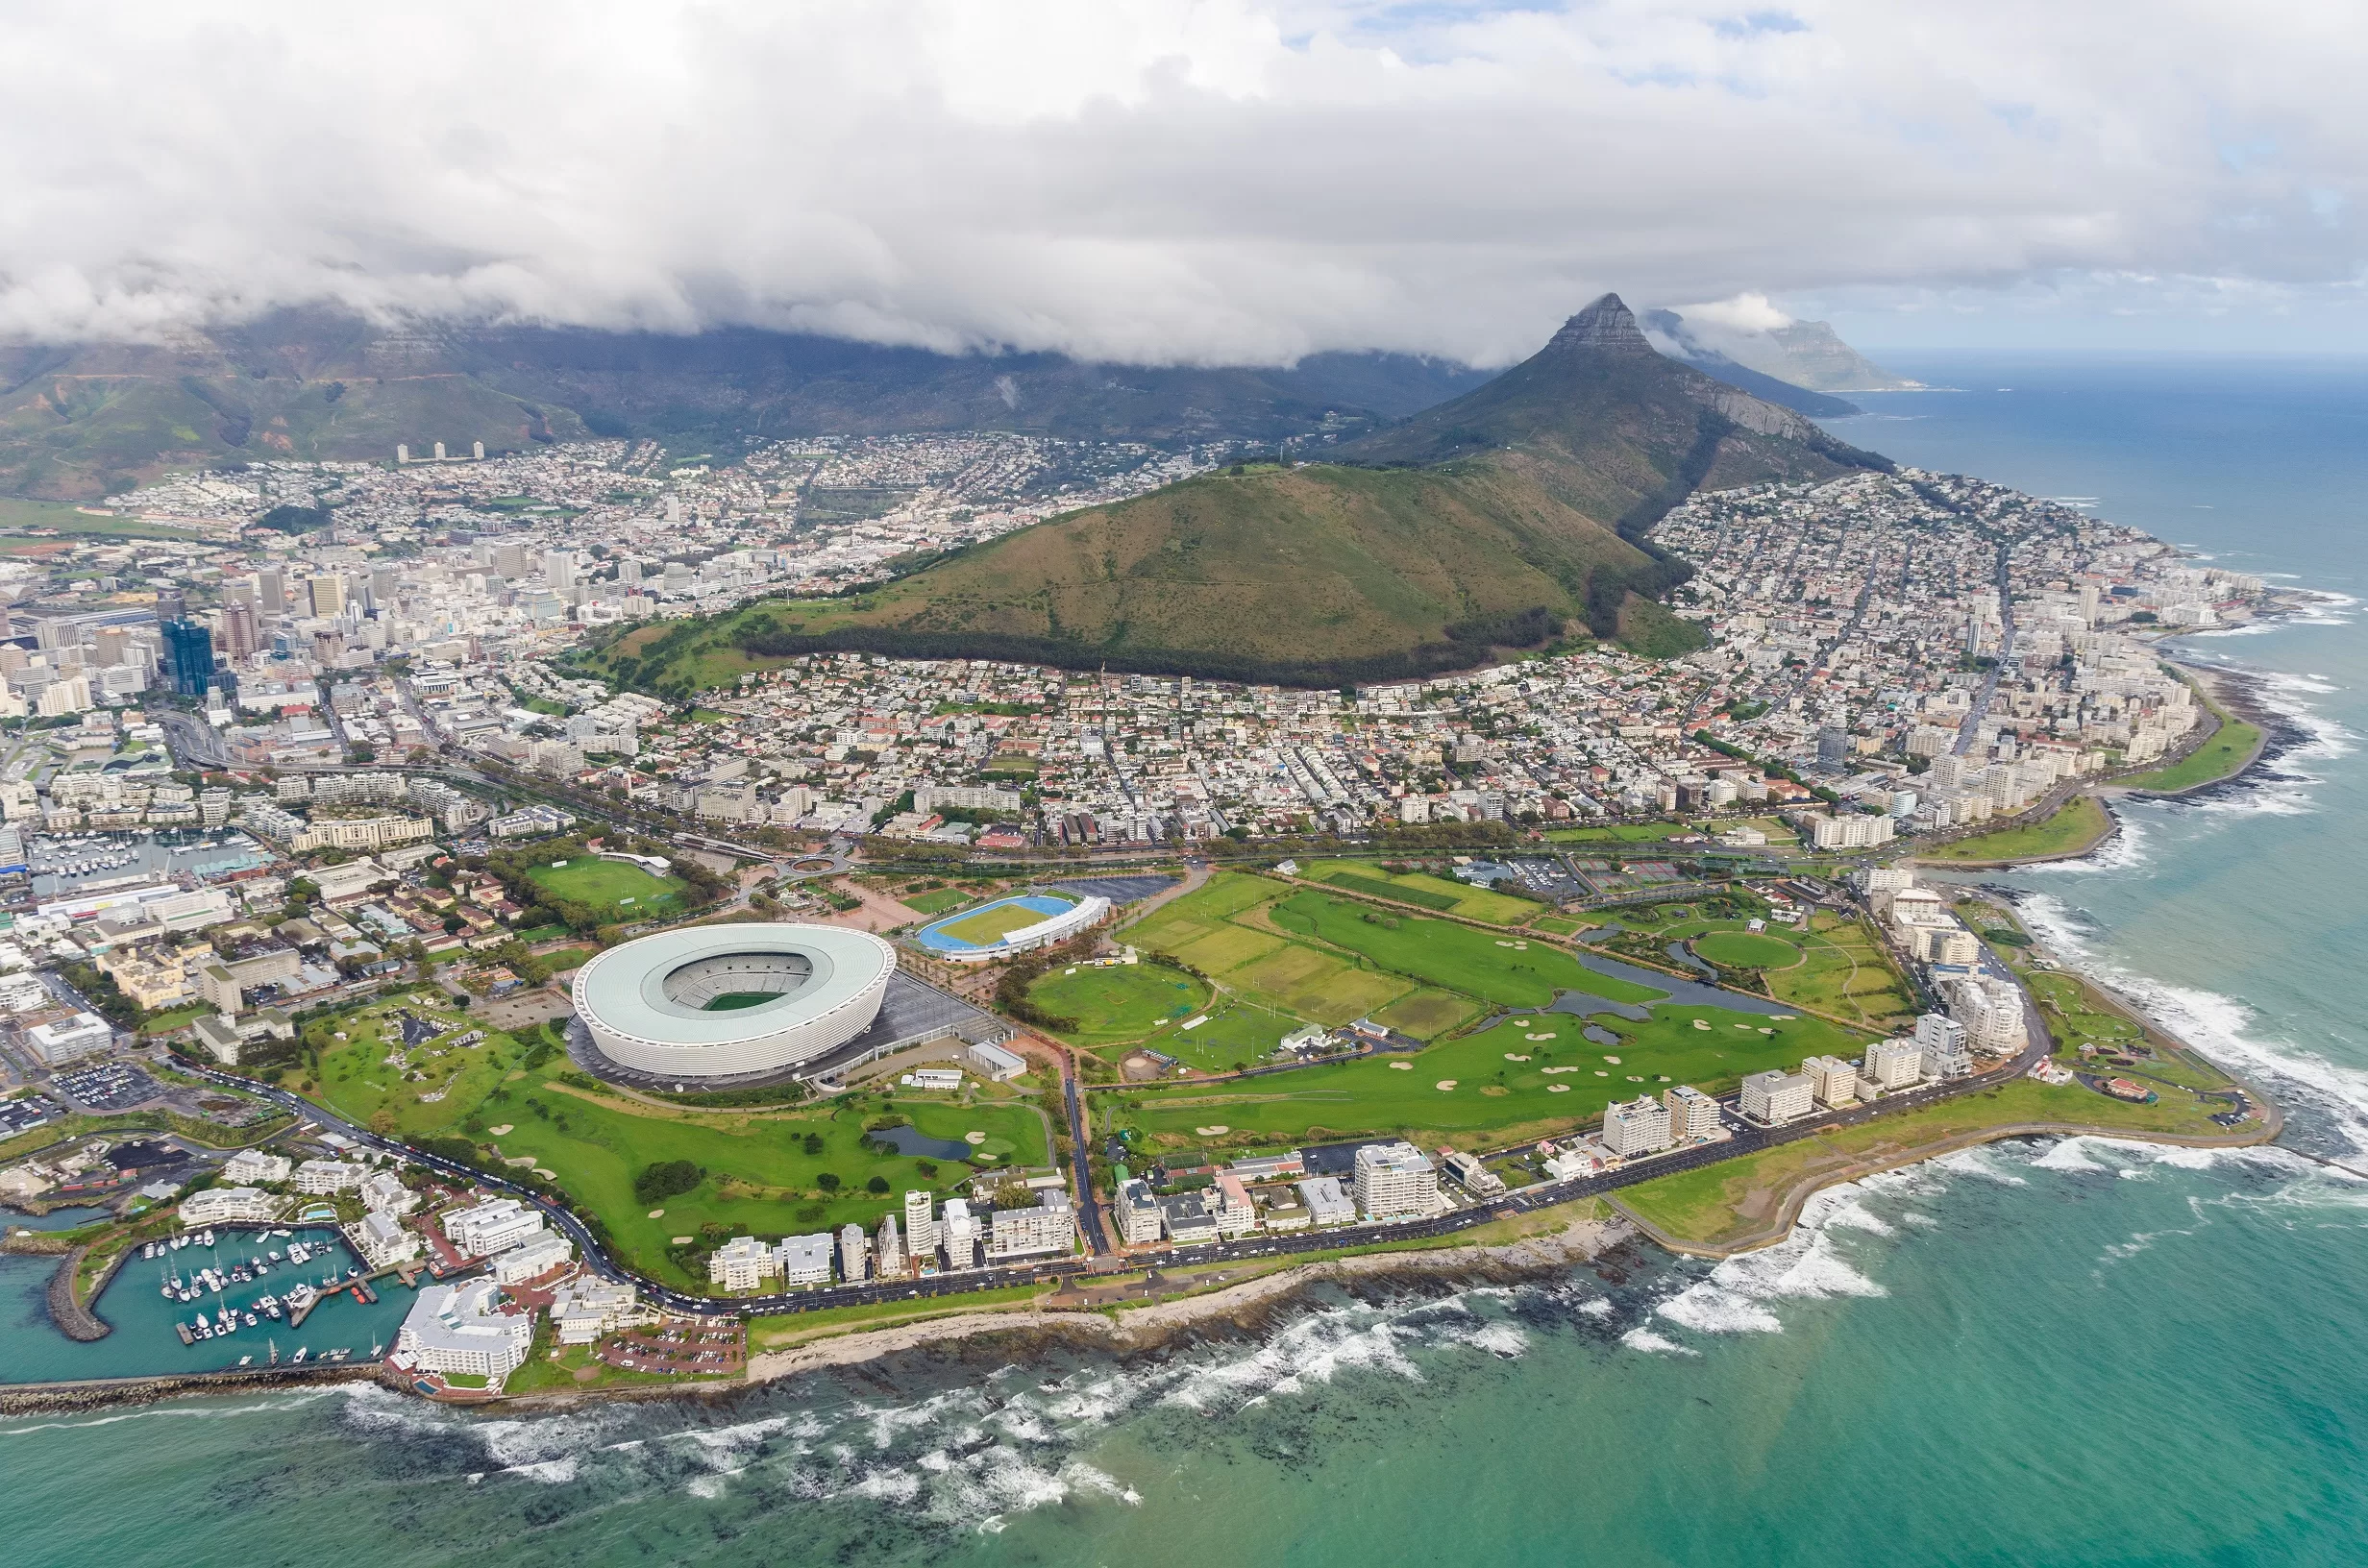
[26, 1113]
[109, 1085]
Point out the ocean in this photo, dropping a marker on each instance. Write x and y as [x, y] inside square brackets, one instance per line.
[2067, 1352]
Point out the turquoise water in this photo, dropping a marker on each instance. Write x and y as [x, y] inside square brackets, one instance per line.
[2035, 1353]
[144, 1343]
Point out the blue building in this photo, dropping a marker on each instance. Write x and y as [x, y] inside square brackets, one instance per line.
[189, 657]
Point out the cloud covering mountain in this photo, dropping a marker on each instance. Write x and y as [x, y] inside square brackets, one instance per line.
[1167, 181]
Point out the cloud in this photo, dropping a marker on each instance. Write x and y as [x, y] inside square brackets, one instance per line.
[1167, 181]
[1747, 312]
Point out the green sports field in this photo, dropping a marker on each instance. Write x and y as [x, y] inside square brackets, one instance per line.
[1513, 971]
[995, 923]
[611, 885]
[1122, 1002]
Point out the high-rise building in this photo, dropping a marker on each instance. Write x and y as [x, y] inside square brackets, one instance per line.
[1692, 1114]
[891, 1249]
[1394, 1181]
[238, 631]
[851, 1252]
[509, 560]
[1638, 1126]
[189, 657]
[326, 595]
[1941, 1041]
[271, 584]
[560, 570]
[921, 1226]
[1892, 1064]
[1832, 1081]
[629, 572]
[1777, 1096]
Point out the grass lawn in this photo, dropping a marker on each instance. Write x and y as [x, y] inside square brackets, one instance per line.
[762, 1177]
[1492, 1094]
[1845, 971]
[2078, 825]
[1747, 950]
[1123, 1002]
[1513, 971]
[1428, 1012]
[611, 885]
[1737, 1196]
[1619, 833]
[1316, 985]
[995, 923]
[1225, 896]
[1419, 888]
[1241, 1033]
[2225, 752]
[936, 903]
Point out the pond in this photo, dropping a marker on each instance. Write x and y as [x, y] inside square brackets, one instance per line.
[910, 1143]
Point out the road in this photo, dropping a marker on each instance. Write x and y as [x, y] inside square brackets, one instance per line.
[1970, 731]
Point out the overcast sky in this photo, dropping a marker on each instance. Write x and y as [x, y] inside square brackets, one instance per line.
[1169, 180]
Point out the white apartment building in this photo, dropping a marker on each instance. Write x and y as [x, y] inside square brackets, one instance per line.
[742, 1264]
[382, 1240]
[1327, 1201]
[583, 1310]
[921, 1233]
[1032, 1231]
[1991, 1010]
[1236, 1214]
[1892, 1064]
[323, 1177]
[890, 1249]
[1692, 1114]
[250, 1165]
[805, 1259]
[1941, 1048]
[534, 1258]
[961, 1231]
[854, 1251]
[230, 1205]
[1635, 1127]
[1394, 1181]
[382, 1192]
[1776, 1096]
[1833, 1082]
[1138, 1213]
[493, 1226]
[462, 1329]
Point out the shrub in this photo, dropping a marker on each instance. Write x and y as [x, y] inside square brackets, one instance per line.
[668, 1178]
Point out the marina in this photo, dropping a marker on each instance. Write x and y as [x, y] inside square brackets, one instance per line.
[89, 861]
[211, 1301]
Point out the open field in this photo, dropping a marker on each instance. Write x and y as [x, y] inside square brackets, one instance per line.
[1428, 1012]
[1122, 1002]
[764, 1166]
[1730, 1200]
[935, 903]
[611, 885]
[1747, 950]
[2079, 825]
[1491, 1092]
[1619, 833]
[1443, 893]
[1512, 971]
[1845, 971]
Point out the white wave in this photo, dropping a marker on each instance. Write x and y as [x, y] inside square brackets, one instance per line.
[1598, 1306]
[1654, 1345]
[1981, 1162]
[551, 1472]
[1498, 1339]
[1734, 1297]
[2124, 851]
[190, 1411]
[2067, 1154]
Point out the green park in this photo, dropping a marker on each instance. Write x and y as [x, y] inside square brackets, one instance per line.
[618, 889]
[511, 1102]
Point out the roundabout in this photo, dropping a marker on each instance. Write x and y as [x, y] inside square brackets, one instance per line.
[726, 1001]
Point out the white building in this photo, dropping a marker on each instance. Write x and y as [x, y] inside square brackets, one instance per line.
[1635, 1127]
[534, 1258]
[805, 1259]
[493, 1226]
[382, 1192]
[250, 1165]
[1692, 1114]
[462, 1329]
[1776, 1096]
[993, 1062]
[742, 1264]
[1327, 1201]
[322, 1177]
[1236, 1213]
[1394, 1181]
[382, 1240]
[1138, 1213]
[921, 1226]
[1032, 1231]
[852, 1251]
[1991, 1010]
[890, 1249]
[1475, 1177]
[1941, 1044]
[230, 1205]
[584, 1309]
[1892, 1064]
[70, 1039]
[959, 1234]
[1189, 1218]
[1833, 1082]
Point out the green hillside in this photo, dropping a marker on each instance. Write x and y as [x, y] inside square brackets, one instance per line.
[1503, 518]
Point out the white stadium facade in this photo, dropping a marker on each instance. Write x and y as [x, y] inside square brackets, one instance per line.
[726, 1001]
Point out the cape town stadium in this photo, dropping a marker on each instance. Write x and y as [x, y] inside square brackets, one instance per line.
[721, 1001]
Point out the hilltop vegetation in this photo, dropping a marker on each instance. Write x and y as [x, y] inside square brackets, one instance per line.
[1504, 519]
